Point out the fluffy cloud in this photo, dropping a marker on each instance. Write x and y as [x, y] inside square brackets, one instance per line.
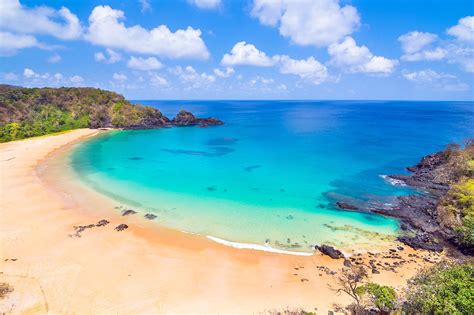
[191, 76]
[112, 56]
[144, 64]
[413, 42]
[359, 59]
[464, 30]
[224, 74]
[119, 77]
[33, 78]
[205, 4]
[11, 43]
[246, 54]
[41, 20]
[309, 69]
[106, 29]
[308, 22]
[158, 81]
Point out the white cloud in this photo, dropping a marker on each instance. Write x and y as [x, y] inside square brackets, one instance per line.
[28, 73]
[54, 58]
[425, 76]
[145, 5]
[40, 20]
[144, 64]
[308, 22]
[113, 56]
[437, 53]
[224, 74]
[191, 76]
[414, 41]
[11, 43]
[158, 81]
[205, 4]
[119, 77]
[282, 87]
[76, 79]
[246, 54]
[464, 30]
[359, 59]
[262, 80]
[106, 29]
[309, 69]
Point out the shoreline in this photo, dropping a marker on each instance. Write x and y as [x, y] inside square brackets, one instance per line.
[159, 267]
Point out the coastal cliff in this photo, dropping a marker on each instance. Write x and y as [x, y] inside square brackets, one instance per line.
[443, 210]
[28, 112]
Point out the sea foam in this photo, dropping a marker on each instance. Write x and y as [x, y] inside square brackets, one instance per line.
[265, 248]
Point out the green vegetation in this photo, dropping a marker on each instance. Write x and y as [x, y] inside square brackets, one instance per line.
[443, 289]
[456, 209]
[39, 111]
[380, 296]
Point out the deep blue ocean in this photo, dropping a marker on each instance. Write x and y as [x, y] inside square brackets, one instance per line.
[271, 175]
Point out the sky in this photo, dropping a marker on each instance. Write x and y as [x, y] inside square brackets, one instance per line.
[249, 49]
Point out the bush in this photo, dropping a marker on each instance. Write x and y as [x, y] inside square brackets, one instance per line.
[382, 297]
[442, 289]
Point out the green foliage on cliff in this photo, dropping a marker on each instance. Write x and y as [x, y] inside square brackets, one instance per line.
[32, 112]
[443, 289]
[456, 209]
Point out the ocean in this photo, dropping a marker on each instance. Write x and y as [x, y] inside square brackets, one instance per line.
[269, 178]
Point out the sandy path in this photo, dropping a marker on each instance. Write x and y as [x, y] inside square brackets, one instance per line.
[144, 269]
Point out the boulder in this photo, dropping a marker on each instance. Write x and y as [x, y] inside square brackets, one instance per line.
[346, 206]
[330, 251]
[121, 227]
[185, 118]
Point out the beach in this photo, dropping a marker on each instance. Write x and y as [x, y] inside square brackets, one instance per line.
[144, 268]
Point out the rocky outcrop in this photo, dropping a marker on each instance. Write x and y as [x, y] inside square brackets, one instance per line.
[346, 206]
[421, 241]
[330, 251]
[185, 118]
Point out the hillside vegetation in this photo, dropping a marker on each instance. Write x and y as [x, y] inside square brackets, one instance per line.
[28, 112]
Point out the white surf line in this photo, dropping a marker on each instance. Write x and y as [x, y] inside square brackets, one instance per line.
[256, 247]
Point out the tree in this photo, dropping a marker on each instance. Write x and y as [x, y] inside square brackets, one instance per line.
[443, 289]
[382, 297]
[350, 282]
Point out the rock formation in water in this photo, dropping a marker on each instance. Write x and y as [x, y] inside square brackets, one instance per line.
[185, 118]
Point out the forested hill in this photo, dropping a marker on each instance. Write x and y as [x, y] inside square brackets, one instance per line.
[28, 112]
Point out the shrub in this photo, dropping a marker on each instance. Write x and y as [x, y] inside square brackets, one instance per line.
[442, 289]
[382, 297]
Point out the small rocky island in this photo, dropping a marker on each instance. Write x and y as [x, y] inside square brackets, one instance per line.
[29, 112]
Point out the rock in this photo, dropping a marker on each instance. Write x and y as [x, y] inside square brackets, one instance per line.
[185, 118]
[102, 223]
[346, 206]
[421, 241]
[121, 227]
[128, 212]
[150, 216]
[330, 251]
[347, 263]
[375, 271]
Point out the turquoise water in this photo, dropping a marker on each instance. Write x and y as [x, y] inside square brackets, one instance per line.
[272, 173]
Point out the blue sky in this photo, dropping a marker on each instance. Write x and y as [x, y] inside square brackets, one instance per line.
[250, 49]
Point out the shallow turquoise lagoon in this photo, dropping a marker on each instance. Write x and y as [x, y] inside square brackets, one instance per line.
[271, 175]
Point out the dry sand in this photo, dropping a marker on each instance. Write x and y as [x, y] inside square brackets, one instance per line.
[145, 268]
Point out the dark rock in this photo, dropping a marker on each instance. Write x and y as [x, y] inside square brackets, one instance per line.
[185, 118]
[102, 223]
[128, 212]
[346, 206]
[347, 263]
[150, 216]
[330, 251]
[421, 241]
[375, 271]
[121, 227]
